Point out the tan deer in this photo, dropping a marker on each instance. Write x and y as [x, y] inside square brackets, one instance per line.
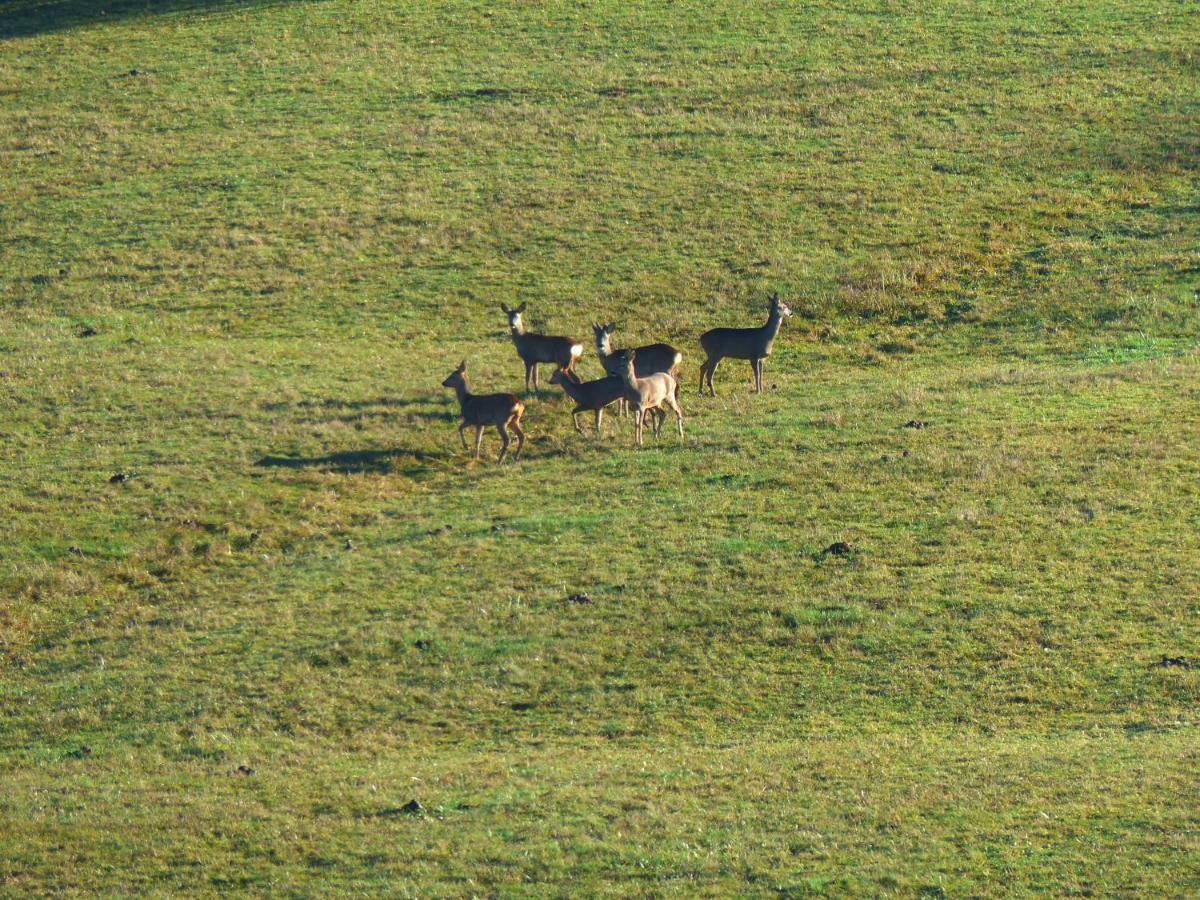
[540, 348]
[589, 395]
[753, 344]
[647, 396]
[482, 410]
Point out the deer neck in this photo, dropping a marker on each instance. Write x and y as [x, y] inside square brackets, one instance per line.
[772, 327]
[463, 391]
[570, 388]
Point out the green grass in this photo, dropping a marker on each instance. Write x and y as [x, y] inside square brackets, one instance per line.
[241, 244]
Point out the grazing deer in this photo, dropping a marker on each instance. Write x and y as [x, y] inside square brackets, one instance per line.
[651, 359]
[753, 344]
[482, 410]
[647, 395]
[540, 348]
[594, 395]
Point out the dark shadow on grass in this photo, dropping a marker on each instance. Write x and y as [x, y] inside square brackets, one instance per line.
[423, 410]
[396, 460]
[28, 18]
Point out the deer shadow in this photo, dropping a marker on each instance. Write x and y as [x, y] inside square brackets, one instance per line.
[21, 18]
[334, 410]
[359, 462]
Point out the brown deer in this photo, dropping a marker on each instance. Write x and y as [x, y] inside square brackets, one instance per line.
[651, 359]
[540, 348]
[482, 410]
[648, 395]
[753, 344]
[589, 395]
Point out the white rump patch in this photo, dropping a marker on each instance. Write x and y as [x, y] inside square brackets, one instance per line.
[577, 349]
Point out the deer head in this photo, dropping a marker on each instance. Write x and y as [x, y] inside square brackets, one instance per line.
[561, 376]
[457, 378]
[514, 316]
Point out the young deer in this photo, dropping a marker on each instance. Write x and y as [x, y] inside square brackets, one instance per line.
[482, 410]
[540, 348]
[647, 395]
[651, 359]
[594, 395]
[753, 344]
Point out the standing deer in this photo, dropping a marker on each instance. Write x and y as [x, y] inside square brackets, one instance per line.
[589, 395]
[482, 410]
[651, 359]
[540, 348]
[753, 344]
[647, 395]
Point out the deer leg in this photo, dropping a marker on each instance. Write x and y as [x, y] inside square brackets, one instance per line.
[711, 367]
[463, 437]
[759, 373]
[504, 442]
[528, 369]
[478, 439]
[678, 416]
[599, 419]
[575, 420]
[536, 389]
[515, 424]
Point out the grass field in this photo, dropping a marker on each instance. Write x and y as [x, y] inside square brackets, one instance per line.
[241, 245]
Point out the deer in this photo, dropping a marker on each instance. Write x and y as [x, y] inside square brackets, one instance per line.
[589, 395]
[540, 348]
[753, 344]
[648, 395]
[481, 410]
[651, 359]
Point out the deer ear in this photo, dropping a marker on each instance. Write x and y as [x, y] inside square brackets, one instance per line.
[520, 308]
[505, 308]
[631, 355]
[462, 366]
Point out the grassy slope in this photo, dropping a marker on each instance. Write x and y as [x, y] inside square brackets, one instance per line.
[295, 217]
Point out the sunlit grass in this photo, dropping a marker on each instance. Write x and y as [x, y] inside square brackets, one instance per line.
[242, 245]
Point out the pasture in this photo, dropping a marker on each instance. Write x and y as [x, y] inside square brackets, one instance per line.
[920, 619]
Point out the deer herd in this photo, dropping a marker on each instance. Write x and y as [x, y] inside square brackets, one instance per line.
[642, 380]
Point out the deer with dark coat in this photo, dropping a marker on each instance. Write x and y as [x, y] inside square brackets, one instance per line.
[540, 348]
[503, 411]
[589, 395]
[753, 344]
